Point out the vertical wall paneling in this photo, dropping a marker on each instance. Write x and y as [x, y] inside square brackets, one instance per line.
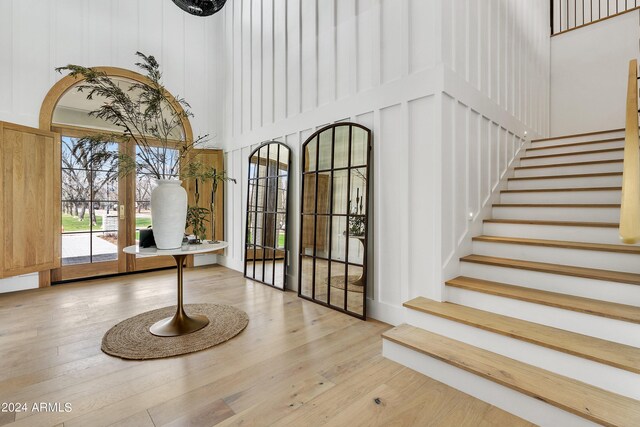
[247, 64]
[453, 82]
[279, 60]
[345, 45]
[391, 40]
[365, 43]
[326, 40]
[421, 27]
[267, 78]
[423, 196]
[257, 71]
[309, 54]
[293, 57]
[389, 239]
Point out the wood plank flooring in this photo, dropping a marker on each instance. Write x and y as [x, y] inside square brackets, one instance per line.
[296, 364]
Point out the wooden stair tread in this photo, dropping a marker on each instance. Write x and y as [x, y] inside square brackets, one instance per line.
[576, 135]
[576, 144]
[607, 352]
[582, 399]
[572, 153]
[556, 190]
[611, 310]
[558, 223]
[577, 175]
[559, 165]
[566, 270]
[560, 244]
[556, 205]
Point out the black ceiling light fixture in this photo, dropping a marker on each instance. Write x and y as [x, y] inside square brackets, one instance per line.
[200, 7]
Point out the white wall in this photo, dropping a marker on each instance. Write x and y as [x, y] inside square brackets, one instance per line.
[496, 87]
[589, 69]
[37, 36]
[448, 88]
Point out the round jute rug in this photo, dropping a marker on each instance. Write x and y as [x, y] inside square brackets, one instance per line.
[131, 339]
[338, 283]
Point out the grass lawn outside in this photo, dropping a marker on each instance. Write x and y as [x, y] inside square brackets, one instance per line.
[71, 224]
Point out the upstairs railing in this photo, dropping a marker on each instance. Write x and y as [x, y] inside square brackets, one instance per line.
[630, 205]
[567, 15]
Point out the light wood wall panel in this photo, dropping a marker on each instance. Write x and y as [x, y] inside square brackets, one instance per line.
[29, 200]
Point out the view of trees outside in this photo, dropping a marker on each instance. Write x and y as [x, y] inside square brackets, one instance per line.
[89, 203]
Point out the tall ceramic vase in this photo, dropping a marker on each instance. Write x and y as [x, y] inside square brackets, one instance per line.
[168, 213]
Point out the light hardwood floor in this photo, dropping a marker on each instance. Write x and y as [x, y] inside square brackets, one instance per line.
[296, 364]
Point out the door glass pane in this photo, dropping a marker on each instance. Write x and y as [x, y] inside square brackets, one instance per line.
[89, 201]
[104, 246]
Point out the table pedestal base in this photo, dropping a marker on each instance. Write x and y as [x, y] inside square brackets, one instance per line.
[180, 323]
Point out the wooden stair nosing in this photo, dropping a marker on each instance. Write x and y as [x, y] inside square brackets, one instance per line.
[577, 135]
[610, 353]
[554, 223]
[556, 205]
[573, 396]
[604, 247]
[560, 165]
[560, 269]
[579, 175]
[557, 190]
[577, 153]
[610, 310]
[575, 144]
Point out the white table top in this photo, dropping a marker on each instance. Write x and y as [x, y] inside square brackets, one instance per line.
[193, 249]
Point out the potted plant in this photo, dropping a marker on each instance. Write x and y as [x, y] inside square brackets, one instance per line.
[196, 216]
[152, 118]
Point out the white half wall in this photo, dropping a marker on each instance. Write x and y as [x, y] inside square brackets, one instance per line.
[589, 69]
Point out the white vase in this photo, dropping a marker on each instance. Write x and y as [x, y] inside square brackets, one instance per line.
[168, 213]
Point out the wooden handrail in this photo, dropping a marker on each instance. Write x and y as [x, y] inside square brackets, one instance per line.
[630, 205]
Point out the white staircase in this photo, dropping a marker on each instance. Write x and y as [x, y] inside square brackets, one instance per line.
[544, 319]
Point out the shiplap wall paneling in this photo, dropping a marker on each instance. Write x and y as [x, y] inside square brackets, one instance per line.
[109, 33]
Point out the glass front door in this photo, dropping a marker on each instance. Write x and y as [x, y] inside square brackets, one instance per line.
[90, 205]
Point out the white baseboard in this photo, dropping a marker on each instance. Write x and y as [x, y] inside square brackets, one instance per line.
[19, 283]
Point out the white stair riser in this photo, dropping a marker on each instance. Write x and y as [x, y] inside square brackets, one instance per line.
[607, 155]
[569, 169]
[558, 214]
[604, 196]
[604, 290]
[560, 149]
[581, 323]
[580, 182]
[598, 374]
[580, 258]
[597, 137]
[554, 232]
[519, 404]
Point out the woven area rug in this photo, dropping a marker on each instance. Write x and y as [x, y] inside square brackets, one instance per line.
[338, 283]
[131, 339]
